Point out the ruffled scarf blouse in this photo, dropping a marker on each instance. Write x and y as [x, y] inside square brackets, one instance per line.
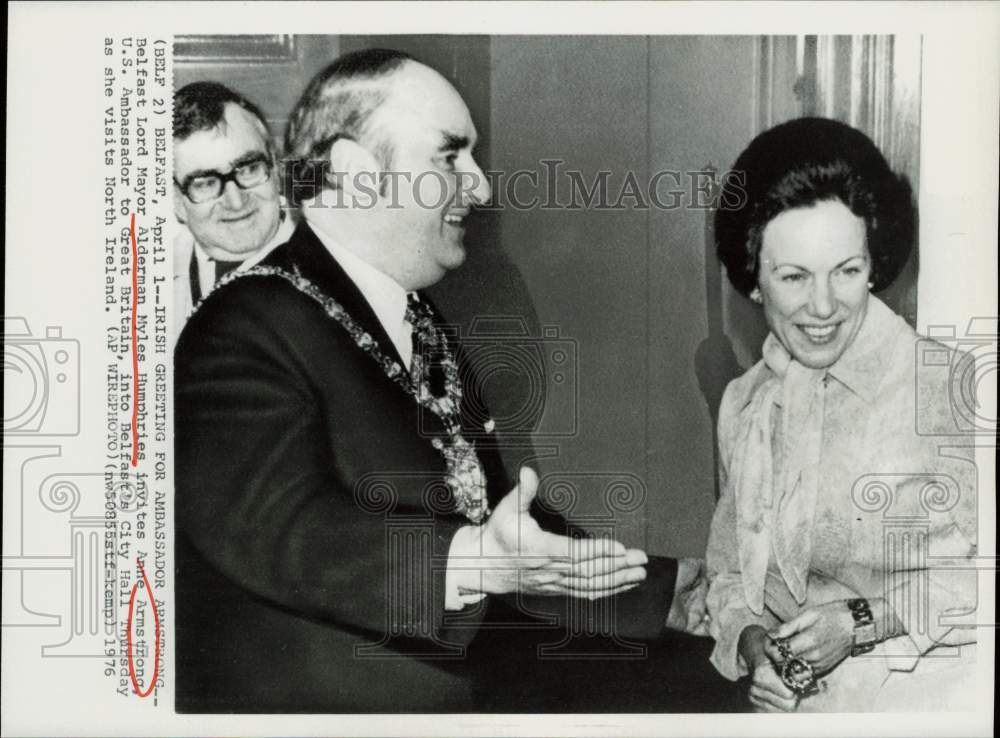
[775, 463]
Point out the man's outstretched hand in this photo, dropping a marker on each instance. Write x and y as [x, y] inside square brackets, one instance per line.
[511, 553]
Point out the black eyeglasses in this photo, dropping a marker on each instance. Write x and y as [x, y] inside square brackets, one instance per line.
[210, 185]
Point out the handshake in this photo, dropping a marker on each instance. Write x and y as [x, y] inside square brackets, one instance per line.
[511, 553]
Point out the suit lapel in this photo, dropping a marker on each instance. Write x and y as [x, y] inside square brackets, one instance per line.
[306, 252]
[316, 264]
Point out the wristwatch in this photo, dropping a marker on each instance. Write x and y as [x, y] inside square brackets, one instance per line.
[864, 626]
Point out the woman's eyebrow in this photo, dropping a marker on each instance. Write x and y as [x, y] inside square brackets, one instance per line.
[804, 269]
[778, 265]
[849, 259]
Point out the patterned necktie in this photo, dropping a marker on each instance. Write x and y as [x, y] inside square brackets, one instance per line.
[465, 476]
[193, 280]
[428, 345]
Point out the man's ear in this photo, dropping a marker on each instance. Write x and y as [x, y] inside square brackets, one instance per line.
[355, 171]
[179, 211]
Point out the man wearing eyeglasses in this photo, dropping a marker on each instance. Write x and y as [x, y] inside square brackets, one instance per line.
[225, 190]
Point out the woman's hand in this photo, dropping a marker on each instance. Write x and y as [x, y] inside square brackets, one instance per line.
[688, 612]
[822, 635]
[767, 692]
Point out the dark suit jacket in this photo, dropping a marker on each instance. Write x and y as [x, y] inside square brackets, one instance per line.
[313, 530]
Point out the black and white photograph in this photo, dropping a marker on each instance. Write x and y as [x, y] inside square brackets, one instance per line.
[631, 373]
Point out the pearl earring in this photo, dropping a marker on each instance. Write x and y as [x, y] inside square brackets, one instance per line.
[755, 295]
[870, 285]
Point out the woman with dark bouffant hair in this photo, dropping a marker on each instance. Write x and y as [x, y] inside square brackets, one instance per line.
[836, 493]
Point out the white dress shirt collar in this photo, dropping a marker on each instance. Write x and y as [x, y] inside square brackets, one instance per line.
[206, 269]
[385, 295]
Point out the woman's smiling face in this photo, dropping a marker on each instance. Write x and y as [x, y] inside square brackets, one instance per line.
[813, 279]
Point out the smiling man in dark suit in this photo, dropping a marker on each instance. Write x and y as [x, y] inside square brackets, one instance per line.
[349, 540]
[225, 190]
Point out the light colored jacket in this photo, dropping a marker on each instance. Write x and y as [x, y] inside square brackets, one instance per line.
[894, 513]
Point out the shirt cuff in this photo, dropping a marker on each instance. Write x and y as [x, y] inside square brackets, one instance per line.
[462, 578]
[726, 631]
